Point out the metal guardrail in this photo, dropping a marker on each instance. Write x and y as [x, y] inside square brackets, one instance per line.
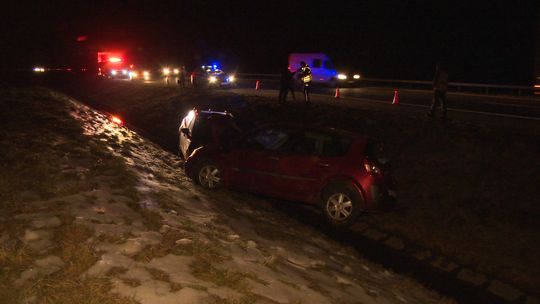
[482, 88]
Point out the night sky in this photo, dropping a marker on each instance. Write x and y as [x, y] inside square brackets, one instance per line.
[488, 41]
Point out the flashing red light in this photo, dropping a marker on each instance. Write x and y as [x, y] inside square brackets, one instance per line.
[115, 59]
[117, 120]
[82, 38]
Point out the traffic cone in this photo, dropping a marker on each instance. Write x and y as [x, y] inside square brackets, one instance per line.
[396, 98]
[257, 84]
[337, 93]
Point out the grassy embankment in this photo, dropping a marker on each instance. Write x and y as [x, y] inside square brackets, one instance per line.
[38, 139]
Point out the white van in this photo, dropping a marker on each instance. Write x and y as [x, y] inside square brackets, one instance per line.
[321, 66]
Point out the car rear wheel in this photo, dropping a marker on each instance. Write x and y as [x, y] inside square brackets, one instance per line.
[342, 204]
[209, 175]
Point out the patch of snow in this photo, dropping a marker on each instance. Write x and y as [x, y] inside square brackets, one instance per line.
[159, 292]
[49, 262]
[177, 267]
[38, 240]
[107, 261]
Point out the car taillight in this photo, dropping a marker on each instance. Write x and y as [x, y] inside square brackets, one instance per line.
[371, 167]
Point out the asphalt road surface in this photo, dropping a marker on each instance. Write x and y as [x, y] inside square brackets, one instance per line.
[522, 107]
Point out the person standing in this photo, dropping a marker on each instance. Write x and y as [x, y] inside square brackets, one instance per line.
[306, 77]
[286, 85]
[182, 77]
[440, 87]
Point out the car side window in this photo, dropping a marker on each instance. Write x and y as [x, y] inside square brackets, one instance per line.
[272, 139]
[308, 143]
[321, 143]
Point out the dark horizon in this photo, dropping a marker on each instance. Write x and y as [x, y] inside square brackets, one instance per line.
[481, 42]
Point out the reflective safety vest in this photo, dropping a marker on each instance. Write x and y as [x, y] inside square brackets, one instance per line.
[306, 74]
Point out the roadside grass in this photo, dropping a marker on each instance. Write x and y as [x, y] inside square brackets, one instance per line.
[465, 188]
[201, 251]
[234, 279]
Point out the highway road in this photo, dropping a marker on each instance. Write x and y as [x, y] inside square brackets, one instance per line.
[526, 107]
[521, 107]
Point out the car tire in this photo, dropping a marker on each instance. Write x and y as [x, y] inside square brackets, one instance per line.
[208, 175]
[341, 204]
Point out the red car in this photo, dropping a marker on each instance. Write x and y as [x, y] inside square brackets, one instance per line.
[342, 172]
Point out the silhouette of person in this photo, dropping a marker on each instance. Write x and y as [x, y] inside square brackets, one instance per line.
[182, 77]
[286, 84]
[440, 87]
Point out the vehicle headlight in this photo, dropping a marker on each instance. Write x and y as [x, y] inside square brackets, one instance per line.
[113, 72]
[356, 76]
[133, 74]
[166, 71]
[342, 76]
[176, 71]
[212, 79]
[146, 73]
[231, 78]
[125, 72]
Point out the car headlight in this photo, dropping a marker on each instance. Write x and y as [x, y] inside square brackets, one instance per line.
[212, 79]
[125, 72]
[146, 73]
[166, 71]
[342, 76]
[133, 74]
[356, 76]
[113, 72]
[176, 71]
[231, 78]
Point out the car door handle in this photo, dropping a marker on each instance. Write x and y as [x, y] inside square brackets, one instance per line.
[324, 165]
[273, 158]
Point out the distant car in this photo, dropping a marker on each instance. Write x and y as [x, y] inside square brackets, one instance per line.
[211, 76]
[342, 172]
[348, 77]
[120, 73]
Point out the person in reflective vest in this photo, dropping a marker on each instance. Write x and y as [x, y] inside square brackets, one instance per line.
[306, 77]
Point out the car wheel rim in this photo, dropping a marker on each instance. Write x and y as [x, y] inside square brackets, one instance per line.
[339, 206]
[209, 176]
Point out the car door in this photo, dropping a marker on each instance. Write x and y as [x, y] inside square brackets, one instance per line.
[184, 131]
[310, 162]
[255, 160]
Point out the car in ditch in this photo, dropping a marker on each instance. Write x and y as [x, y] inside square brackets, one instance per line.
[344, 173]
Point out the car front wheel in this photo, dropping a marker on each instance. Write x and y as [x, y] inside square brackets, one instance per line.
[342, 204]
[209, 176]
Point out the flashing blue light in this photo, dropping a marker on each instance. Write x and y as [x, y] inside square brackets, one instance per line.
[214, 66]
